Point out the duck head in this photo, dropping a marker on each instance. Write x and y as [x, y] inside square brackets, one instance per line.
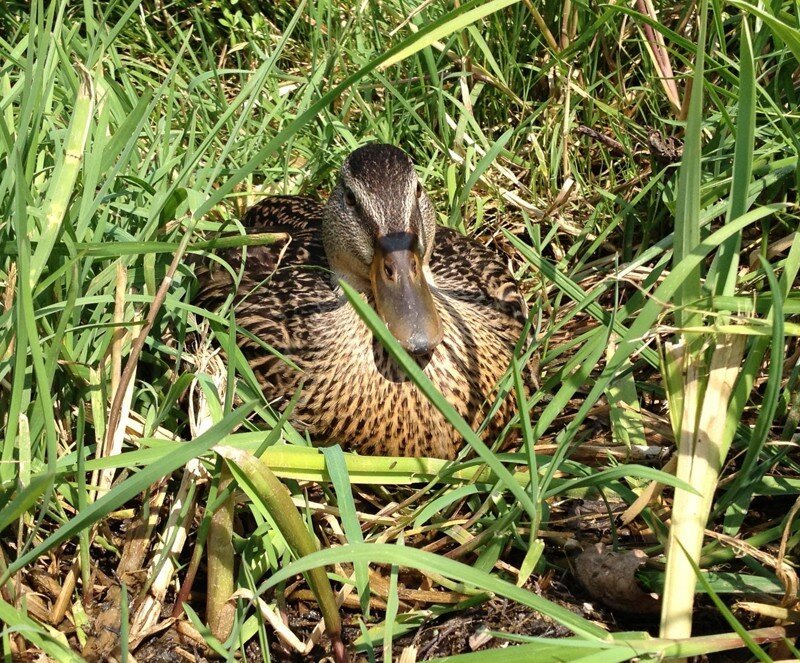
[378, 233]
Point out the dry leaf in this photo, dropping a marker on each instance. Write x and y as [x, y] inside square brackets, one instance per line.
[609, 576]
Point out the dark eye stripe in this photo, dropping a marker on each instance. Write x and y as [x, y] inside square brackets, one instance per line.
[415, 222]
[367, 223]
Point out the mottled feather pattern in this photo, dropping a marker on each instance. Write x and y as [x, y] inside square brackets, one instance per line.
[353, 392]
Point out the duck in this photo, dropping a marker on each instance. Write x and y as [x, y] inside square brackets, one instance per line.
[449, 300]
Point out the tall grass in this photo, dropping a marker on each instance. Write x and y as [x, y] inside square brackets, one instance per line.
[132, 133]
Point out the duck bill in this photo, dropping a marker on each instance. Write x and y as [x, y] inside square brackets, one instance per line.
[403, 298]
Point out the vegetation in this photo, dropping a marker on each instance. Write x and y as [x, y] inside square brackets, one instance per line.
[638, 167]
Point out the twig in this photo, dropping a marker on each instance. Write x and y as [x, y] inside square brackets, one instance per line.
[114, 419]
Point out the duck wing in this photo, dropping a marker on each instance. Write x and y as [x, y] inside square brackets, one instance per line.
[279, 290]
[466, 270]
[299, 218]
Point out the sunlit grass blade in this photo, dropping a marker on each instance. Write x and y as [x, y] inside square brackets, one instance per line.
[392, 605]
[56, 647]
[654, 306]
[336, 466]
[700, 460]
[788, 34]
[687, 205]
[472, 12]
[625, 413]
[65, 176]
[416, 374]
[740, 492]
[724, 270]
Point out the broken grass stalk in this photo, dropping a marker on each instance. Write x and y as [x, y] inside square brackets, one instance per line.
[700, 458]
[65, 175]
[220, 612]
[267, 492]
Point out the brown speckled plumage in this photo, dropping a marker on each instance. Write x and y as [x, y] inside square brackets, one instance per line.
[353, 392]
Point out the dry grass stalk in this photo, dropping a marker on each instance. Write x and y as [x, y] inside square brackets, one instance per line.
[787, 574]
[542, 25]
[65, 595]
[343, 597]
[121, 284]
[770, 611]
[409, 655]
[784, 571]
[646, 497]
[351, 602]
[112, 443]
[134, 428]
[34, 604]
[162, 568]
[116, 418]
[272, 617]
[105, 638]
[660, 56]
[8, 302]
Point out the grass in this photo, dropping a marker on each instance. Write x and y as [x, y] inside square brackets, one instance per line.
[661, 276]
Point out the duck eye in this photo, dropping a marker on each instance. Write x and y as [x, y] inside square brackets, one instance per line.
[419, 189]
[349, 198]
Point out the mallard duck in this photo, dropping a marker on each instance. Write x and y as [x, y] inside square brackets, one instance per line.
[447, 299]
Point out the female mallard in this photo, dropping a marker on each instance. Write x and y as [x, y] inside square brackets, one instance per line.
[451, 302]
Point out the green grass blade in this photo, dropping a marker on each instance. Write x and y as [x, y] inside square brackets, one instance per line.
[472, 12]
[788, 34]
[725, 268]
[24, 499]
[131, 487]
[15, 621]
[740, 492]
[528, 442]
[403, 556]
[64, 176]
[453, 20]
[417, 375]
[687, 208]
[337, 470]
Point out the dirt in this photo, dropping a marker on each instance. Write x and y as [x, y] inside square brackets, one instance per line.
[587, 521]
